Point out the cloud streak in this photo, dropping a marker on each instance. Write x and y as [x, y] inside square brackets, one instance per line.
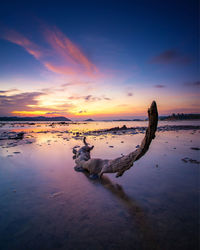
[29, 103]
[8, 103]
[171, 56]
[89, 98]
[193, 84]
[62, 56]
[159, 86]
[68, 50]
[19, 39]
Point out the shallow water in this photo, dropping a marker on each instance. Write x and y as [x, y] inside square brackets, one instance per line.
[45, 204]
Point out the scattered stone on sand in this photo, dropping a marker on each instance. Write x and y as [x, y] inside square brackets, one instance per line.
[16, 152]
[28, 142]
[136, 130]
[111, 146]
[122, 141]
[137, 146]
[195, 148]
[11, 136]
[187, 159]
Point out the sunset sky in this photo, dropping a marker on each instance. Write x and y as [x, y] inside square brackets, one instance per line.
[98, 59]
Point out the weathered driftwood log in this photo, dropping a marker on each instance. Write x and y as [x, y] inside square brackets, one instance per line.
[97, 167]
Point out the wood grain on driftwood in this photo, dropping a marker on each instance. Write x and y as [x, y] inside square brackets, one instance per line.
[97, 167]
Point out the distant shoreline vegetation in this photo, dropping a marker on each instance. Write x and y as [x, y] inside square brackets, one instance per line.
[180, 117]
[172, 117]
[37, 118]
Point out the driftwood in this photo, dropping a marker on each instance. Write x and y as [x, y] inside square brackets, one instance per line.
[97, 167]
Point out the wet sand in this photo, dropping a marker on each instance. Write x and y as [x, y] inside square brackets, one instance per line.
[45, 204]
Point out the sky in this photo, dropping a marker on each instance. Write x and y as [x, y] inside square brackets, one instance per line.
[98, 59]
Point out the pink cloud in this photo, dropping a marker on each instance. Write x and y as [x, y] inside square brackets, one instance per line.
[60, 69]
[64, 57]
[68, 50]
[17, 38]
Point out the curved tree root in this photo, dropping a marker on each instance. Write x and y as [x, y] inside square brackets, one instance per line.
[119, 165]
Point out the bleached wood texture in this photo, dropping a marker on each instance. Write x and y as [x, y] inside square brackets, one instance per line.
[96, 166]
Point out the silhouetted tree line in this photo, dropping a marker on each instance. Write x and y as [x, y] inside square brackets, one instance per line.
[180, 116]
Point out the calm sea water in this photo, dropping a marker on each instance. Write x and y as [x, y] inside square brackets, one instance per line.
[86, 126]
[45, 204]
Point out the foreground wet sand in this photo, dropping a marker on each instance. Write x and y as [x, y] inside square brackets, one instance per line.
[45, 204]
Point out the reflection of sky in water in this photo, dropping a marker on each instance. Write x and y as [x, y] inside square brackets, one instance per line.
[45, 204]
[84, 126]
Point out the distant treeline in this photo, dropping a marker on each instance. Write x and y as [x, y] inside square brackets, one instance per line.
[37, 118]
[180, 117]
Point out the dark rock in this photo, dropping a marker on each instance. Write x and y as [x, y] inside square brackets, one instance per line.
[195, 148]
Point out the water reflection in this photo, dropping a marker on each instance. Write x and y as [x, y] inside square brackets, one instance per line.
[156, 202]
[137, 213]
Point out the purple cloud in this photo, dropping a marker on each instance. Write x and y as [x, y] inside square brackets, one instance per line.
[23, 102]
[89, 98]
[8, 91]
[159, 86]
[8, 103]
[82, 111]
[171, 56]
[194, 84]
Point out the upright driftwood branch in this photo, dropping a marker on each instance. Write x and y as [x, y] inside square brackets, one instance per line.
[119, 165]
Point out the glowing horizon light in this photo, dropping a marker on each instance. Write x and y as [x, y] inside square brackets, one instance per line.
[30, 113]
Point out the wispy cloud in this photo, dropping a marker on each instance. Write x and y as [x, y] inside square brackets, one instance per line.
[19, 39]
[129, 94]
[64, 70]
[159, 86]
[29, 103]
[82, 111]
[8, 91]
[72, 83]
[62, 55]
[192, 84]
[171, 56]
[8, 103]
[68, 50]
[89, 98]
